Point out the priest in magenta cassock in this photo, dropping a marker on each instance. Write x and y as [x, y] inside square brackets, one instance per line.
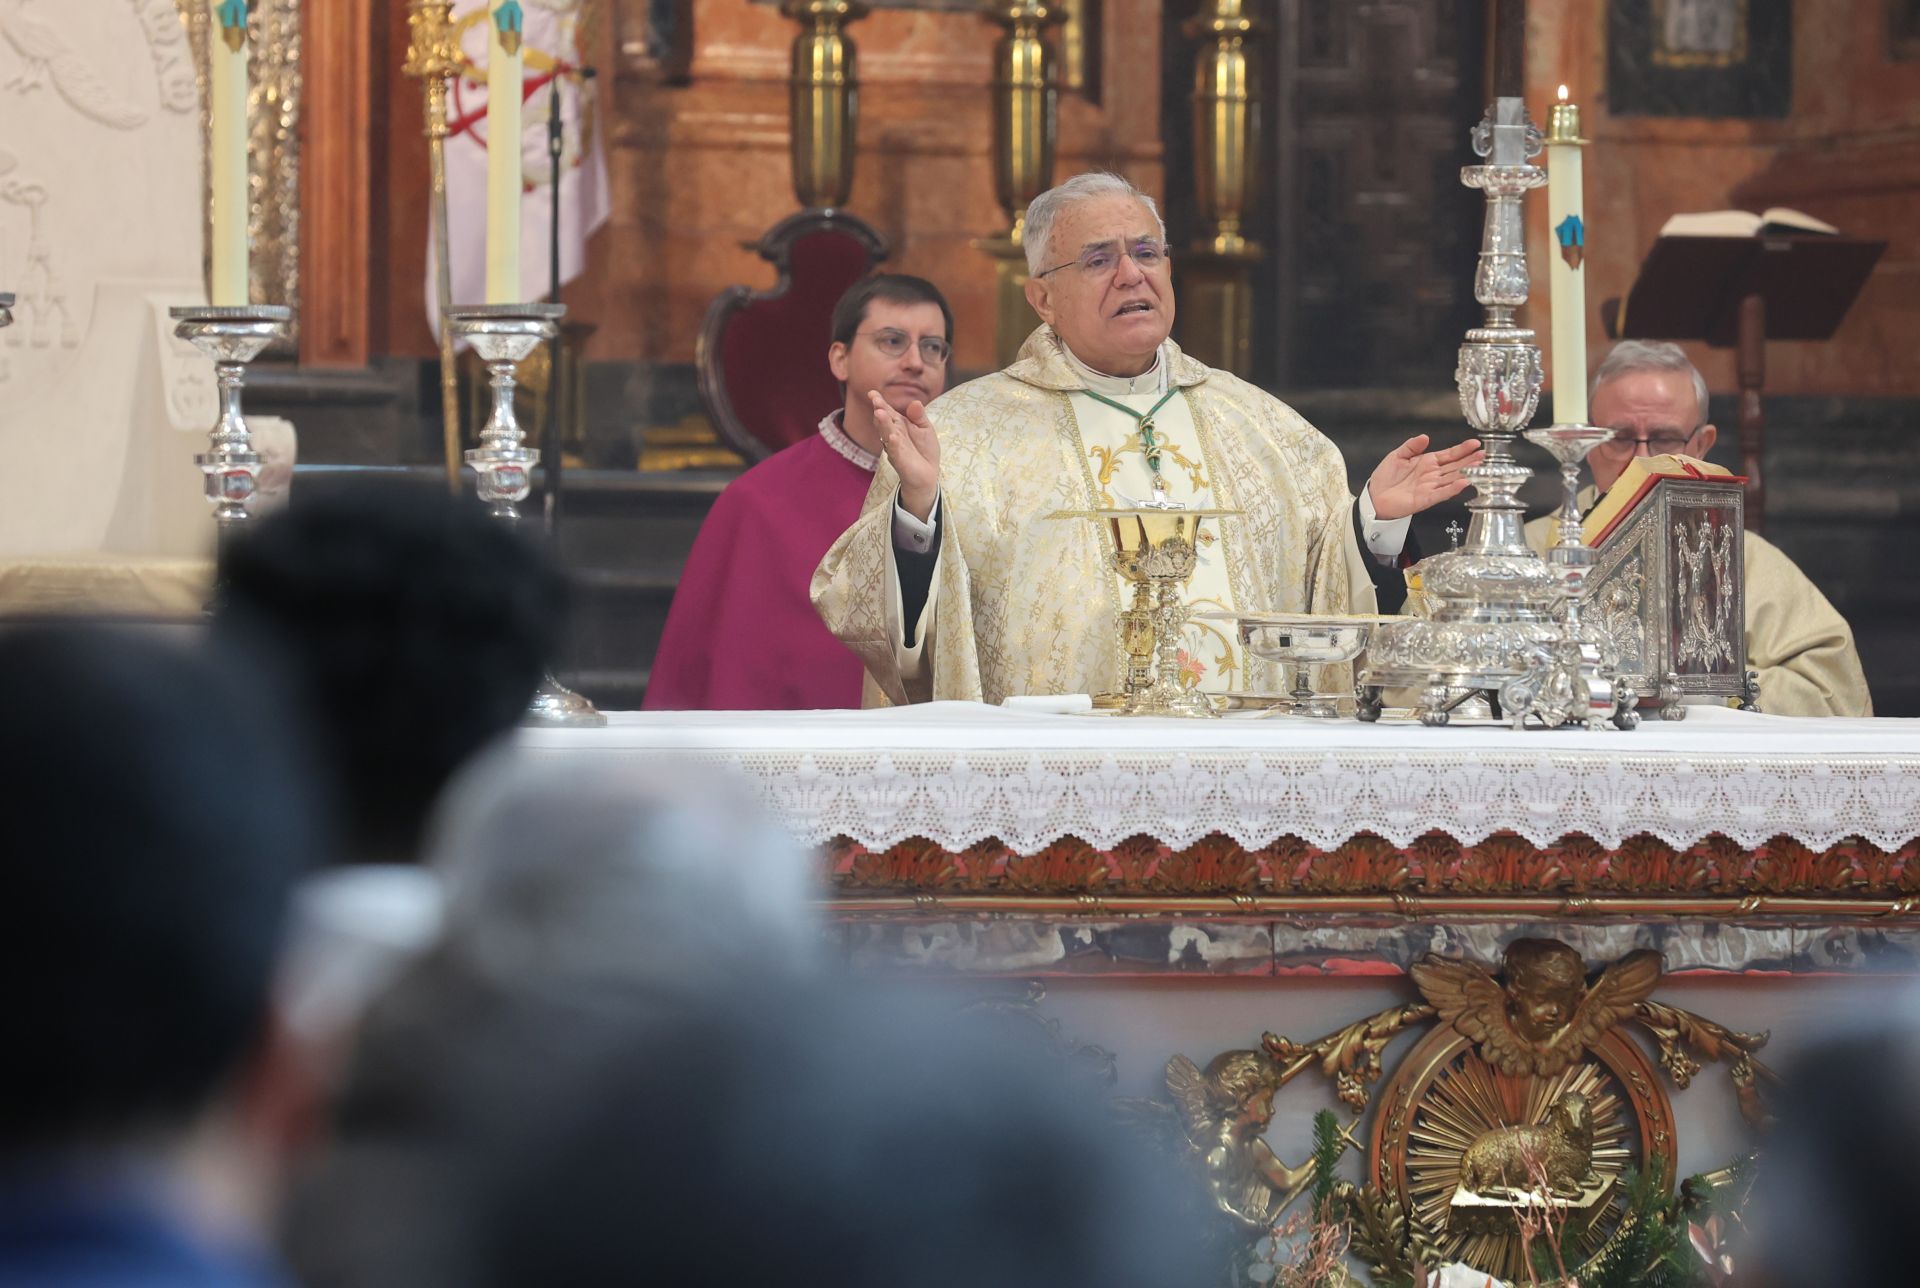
[954, 584]
[741, 634]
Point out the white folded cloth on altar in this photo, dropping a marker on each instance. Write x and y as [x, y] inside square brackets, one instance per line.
[1458, 1274]
[1058, 704]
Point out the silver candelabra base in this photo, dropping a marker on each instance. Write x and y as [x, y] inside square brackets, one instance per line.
[232, 336]
[503, 335]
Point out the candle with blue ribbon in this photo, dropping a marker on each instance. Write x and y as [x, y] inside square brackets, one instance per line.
[1566, 276]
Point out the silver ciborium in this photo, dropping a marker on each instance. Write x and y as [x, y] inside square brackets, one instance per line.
[503, 335]
[1302, 641]
[232, 336]
[1155, 548]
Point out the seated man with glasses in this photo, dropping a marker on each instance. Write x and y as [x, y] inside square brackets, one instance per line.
[955, 585]
[741, 634]
[1656, 400]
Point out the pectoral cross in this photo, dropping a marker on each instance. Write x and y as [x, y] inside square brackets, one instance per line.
[1453, 535]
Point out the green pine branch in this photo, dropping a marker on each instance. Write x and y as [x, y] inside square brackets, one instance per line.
[1327, 1148]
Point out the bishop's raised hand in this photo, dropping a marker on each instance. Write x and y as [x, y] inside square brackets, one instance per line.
[913, 447]
[1412, 478]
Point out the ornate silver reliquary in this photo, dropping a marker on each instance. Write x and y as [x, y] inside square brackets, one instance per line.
[1668, 590]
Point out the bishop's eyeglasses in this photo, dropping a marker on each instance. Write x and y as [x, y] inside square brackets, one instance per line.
[1103, 261]
[933, 350]
[1659, 442]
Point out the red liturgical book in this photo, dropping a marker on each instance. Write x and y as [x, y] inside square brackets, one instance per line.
[1637, 480]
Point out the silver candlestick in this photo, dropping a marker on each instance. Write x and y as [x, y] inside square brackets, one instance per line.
[1585, 671]
[232, 336]
[504, 334]
[1494, 625]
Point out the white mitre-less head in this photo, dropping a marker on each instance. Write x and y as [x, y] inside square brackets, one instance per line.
[1044, 210]
[1097, 271]
[1654, 400]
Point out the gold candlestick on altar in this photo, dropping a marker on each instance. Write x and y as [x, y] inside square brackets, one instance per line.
[1025, 126]
[825, 89]
[1218, 314]
[433, 57]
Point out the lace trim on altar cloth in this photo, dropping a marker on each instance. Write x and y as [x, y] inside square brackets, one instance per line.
[837, 439]
[1030, 800]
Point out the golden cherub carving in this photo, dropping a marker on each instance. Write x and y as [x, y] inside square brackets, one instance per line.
[1225, 1110]
[1547, 1015]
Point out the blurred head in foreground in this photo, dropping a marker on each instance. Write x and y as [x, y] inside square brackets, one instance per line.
[608, 891]
[1833, 1204]
[413, 626]
[623, 1063]
[853, 1139]
[790, 1134]
[156, 824]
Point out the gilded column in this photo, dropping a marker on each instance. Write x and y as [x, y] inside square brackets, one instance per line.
[433, 57]
[1226, 138]
[1025, 126]
[825, 103]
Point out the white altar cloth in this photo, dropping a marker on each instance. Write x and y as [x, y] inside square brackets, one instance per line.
[960, 773]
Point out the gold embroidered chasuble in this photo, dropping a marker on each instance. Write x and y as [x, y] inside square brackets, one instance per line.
[1797, 640]
[1021, 604]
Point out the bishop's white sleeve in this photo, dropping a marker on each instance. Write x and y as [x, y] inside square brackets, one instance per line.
[1385, 538]
[910, 533]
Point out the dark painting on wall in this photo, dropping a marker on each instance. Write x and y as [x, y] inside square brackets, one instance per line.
[1700, 57]
[656, 39]
[1903, 29]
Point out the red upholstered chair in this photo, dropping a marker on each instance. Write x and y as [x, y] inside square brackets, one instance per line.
[762, 355]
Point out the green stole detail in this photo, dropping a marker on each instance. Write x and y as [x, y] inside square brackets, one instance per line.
[1148, 444]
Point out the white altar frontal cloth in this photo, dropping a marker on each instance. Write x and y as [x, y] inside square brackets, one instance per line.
[959, 773]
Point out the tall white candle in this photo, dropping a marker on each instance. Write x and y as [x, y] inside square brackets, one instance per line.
[506, 22]
[1567, 274]
[227, 165]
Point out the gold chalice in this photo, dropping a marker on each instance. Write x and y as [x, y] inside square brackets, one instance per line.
[1155, 548]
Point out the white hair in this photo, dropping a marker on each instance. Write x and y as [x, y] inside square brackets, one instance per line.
[1045, 209]
[1630, 356]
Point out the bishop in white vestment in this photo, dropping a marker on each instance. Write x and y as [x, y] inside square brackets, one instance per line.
[954, 583]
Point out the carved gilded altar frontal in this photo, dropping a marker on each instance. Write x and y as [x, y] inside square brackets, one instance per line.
[1435, 875]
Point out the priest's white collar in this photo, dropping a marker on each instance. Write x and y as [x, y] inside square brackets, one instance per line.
[1151, 381]
[837, 439]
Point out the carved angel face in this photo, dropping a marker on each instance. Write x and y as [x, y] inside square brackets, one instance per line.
[1544, 989]
[1243, 1084]
[1542, 1010]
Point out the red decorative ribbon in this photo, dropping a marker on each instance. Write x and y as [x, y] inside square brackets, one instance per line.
[528, 88]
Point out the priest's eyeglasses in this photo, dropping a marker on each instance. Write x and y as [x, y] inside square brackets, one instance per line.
[933, 350]
[1103, 261]
[1660, 442]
